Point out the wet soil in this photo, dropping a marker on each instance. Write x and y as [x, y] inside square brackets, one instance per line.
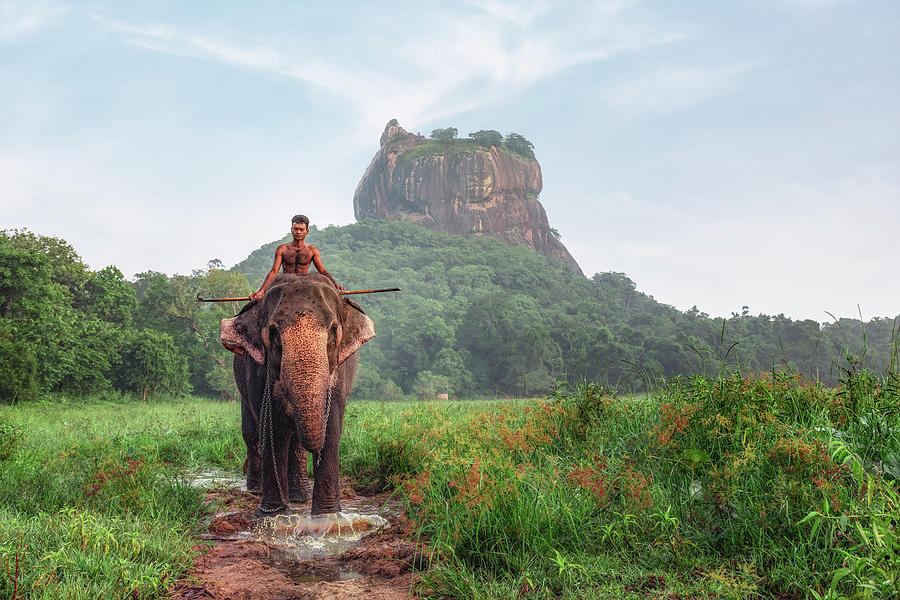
[243, 563]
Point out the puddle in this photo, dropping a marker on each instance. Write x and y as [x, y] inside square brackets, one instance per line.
[299, 537]
[303, 573]
[207, 479]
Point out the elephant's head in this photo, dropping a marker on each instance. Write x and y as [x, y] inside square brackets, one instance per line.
[303, 329]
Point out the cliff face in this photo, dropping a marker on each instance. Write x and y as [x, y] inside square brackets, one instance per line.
[468, 191]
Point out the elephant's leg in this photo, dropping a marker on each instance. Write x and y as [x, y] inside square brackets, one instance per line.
[274, 470]
[326, 466]
[253, 462]
[297, 474]
[250, 379]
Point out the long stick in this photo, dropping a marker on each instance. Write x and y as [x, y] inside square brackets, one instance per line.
[245, 298]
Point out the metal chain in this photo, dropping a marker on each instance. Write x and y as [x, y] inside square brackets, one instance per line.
[264, 426]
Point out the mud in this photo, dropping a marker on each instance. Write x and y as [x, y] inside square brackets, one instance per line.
[248, 559]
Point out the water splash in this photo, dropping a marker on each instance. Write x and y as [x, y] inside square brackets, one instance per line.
[304, 537]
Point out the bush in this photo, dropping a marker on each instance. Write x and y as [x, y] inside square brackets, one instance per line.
[150, 361]
[18, 365]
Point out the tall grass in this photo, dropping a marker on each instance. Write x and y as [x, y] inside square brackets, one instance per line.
[94, 502]
[721, 487]
[726, 486]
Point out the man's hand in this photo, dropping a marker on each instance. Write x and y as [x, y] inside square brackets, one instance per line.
[257, 295]
[339, 287]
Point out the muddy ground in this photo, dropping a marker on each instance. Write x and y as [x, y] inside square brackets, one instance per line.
[237, 563]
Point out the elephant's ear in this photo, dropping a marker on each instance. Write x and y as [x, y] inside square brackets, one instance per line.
[358, 329]
[243, 331]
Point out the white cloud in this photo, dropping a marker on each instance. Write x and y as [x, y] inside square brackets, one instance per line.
[21, 19]
[671, 89]
[139, 223]
[518, 12]
[463, 63]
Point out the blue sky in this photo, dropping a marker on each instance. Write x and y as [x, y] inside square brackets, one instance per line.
[720, 153]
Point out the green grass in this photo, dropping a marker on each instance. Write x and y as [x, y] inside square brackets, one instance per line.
[723, 487]
[93, 495]
[706, 488]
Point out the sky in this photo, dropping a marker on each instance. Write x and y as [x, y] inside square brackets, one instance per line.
[721, 154]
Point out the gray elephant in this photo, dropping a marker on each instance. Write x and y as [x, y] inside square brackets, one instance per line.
[301, 339]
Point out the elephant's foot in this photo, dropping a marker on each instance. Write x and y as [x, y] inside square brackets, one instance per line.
[254, 485]
[325, 509]
[263, 511]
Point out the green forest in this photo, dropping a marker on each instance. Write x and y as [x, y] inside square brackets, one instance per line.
[476, 317]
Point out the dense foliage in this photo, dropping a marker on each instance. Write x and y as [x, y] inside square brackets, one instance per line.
[66, 328]
[476, 316]
[493, 318]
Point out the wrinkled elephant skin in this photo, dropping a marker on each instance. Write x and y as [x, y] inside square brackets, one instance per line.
[298, 366]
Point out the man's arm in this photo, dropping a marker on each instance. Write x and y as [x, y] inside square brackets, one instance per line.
[317, 261]
[272, 274]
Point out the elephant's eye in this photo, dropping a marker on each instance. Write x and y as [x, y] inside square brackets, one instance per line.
[274, 338]
[333, 331]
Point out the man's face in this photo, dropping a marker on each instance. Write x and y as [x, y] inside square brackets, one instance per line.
[299, 231]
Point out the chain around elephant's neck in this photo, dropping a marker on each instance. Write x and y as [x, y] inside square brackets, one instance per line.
[264, 430]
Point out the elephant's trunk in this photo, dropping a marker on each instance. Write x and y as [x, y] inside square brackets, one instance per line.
[305, 378]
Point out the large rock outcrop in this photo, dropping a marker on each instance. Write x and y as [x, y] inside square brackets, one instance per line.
[465, 189]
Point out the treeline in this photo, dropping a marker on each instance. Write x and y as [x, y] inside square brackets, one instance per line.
[445, 141]
[477, 316]
[67, 329]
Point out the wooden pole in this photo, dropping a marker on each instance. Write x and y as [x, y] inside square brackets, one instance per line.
[244, 299]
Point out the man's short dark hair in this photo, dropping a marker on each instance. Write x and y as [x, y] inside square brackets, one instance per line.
[300, 219]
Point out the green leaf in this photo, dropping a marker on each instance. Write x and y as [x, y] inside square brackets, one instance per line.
[694, 457]
[891, 465]
[838, 575]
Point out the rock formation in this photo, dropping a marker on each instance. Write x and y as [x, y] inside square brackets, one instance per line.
[463, 189]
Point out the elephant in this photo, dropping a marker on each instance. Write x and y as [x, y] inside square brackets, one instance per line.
[296, 366]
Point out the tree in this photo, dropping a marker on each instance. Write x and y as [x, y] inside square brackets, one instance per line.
[518, 144]
[108, 296]
[18, 365]
[428, 385]
[150, 361]
[487, 137]
[444, 136]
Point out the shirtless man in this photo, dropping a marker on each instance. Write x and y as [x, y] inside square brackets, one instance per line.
[295, 257]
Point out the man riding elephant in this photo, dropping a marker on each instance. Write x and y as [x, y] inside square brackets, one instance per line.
[295, 365]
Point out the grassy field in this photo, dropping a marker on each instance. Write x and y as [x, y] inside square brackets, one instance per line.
[721, 488]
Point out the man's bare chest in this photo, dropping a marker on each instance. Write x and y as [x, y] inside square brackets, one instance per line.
[295, 259]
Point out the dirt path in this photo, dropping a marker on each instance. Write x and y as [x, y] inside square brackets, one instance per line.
[241, 565]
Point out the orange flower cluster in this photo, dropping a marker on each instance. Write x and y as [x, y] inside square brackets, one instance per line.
[635, 487]
[630, 485]
[414, 487]
[594, 480]
[674, 420]
[113, 474]
[797, 455]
